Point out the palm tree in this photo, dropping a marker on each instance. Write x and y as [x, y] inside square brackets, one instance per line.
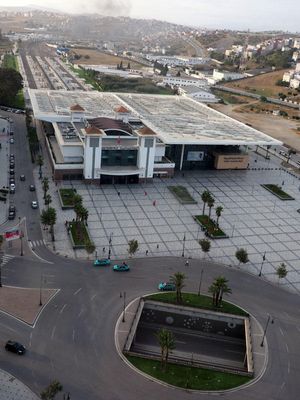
[281, 271]
[205, 197]
[219, 210]
[45, 185]
[52, 221]
[133, 246]
[48, 200]
[205, 245]
[78, 211]
[84, 215]
[242, 256]
[51, 391]
[45, 218]
[40, 163]
[218, 288]
[178, 280]
[77, 199]
[210, 203]
[166, 341]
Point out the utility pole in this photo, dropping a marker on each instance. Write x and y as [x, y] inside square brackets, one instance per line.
[200, 282]
[124, 306]
[263, 260]
[183, 246]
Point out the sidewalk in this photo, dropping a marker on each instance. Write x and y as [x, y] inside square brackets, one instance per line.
[13, 389]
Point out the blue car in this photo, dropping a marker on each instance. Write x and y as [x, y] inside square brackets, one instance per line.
[166, 286]
[121, 267]
[101, 262]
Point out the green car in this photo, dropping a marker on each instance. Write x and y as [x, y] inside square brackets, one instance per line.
[121, 267]
[101, 262]
[166, 286]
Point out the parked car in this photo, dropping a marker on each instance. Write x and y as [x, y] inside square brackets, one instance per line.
[12, 165]
[11, 171]
[11, 212]
[22, 177]
[166, 286]
[121, 267]
[12, 180]
[101, 262]
[15, 347]
[34, 204]
[11, 140]
[32, 188]
[12, 186]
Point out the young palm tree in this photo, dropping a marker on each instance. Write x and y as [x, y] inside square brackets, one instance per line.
[218, 288]
[205, 197]
[52, 221]
[210, 203]
[178, 280]
[45, 218]
[166, 341]
[281, 271]
[40, 163]
[45, 185]
[205, 245]
[77, 199]
[242, 256]
[133, 246]
[48, 200]
[218, 213]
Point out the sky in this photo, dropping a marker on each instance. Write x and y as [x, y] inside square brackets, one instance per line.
[228, 14]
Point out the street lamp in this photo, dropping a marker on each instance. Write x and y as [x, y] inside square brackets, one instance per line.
[109, 245]
[124, 306]
[200, 282]
[266, 327]
[21, 238]
[263, 260]
[183, 246]
[41, 281]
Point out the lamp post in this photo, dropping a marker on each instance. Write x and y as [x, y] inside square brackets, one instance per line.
[124, 306]
[200, 282]
[96, 255]
[183, 246]
[263, 260]
[109, 245]
[41, 281]
[21, 238]
[266, 327]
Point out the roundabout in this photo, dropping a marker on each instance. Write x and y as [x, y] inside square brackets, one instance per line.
[74, 339]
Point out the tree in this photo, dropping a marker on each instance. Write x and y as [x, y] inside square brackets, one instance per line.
[263, 99]
[48, 200]
[51, 391]
[133, 247]
[78, 209]
[166, 341]
[242, 256]
[219, 210]
[77, 199]
[10, 84]
[218, 288]
[205, 196]
[210, 203]
[178, 280]
[89, 247]
[45, 186]
[205, 245]
[40, 163]
[281, 271]
[51, 220]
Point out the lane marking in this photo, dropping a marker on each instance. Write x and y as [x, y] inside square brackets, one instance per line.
[30, 337]
[73, 335]
[180, 341]
[63, 307]
[287, 348]
[81, 311]
[53, 331]
[77, 291]
[282, 386]
[281, 331]
[94, 295]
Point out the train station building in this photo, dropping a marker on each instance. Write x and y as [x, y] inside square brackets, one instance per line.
[129, 138]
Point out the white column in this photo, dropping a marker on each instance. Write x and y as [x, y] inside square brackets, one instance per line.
[181, 158]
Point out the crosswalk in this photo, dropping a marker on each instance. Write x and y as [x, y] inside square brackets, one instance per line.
[5, 258]
[36, 243]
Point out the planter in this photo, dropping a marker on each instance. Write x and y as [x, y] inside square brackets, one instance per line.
[278, 192]
[65, 197]
[210, 227]
[182, 194]
[76, 244]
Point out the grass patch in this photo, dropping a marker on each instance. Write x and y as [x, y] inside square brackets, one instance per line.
[18, 101]
[212, 229]
[79, 233]
[182, 194]
[67, 196]
[189, 377]
[10, 61]
[89, 76]
[277, 191]
[202, 301]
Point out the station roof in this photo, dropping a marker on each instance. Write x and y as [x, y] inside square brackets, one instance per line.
[174, 119]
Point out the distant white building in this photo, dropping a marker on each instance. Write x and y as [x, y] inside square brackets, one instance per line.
[287, 76]
[184, 81]
[226, 76]
[295, 83]
[296, 56]
[201, 95]
[297, 43]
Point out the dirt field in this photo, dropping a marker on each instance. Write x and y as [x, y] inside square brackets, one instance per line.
[98, 58]
[278, 127]
[264, 85]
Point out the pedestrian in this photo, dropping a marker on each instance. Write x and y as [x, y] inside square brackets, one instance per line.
[146, 252]
[119, 194]
[157, 246]
[145, 193]
[154, 203]
[103, 249]
[187, 263]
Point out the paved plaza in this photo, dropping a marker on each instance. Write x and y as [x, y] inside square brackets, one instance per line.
[253, 218]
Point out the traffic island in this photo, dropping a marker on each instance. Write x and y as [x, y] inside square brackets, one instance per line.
[213, 349]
